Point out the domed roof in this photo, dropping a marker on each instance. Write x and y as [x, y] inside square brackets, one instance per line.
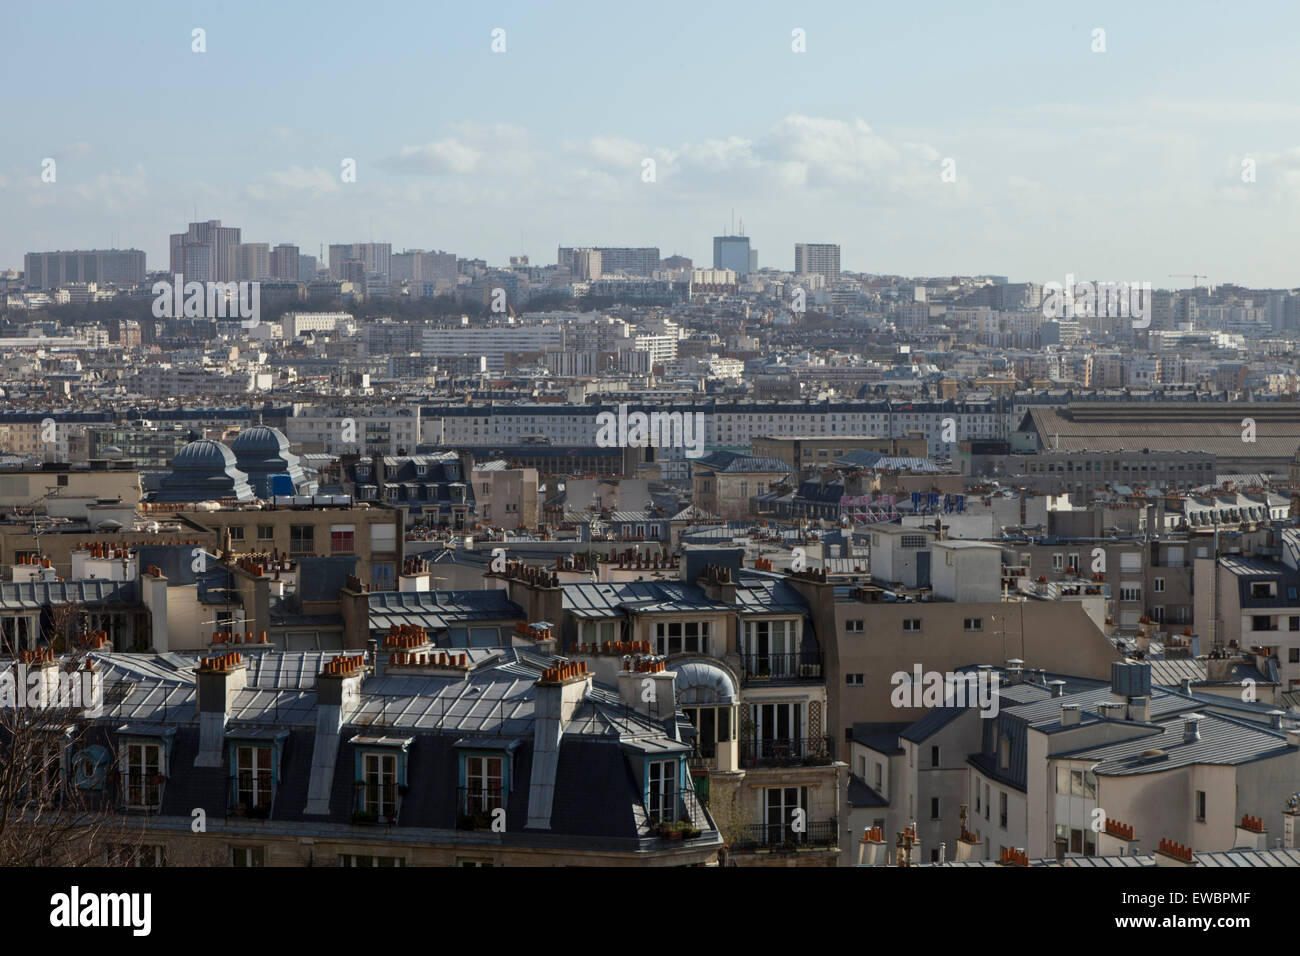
[262, 452]
[260, 439]
[700, 682]
[204, 454]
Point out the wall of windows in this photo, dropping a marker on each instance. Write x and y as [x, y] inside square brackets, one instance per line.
[682, 637]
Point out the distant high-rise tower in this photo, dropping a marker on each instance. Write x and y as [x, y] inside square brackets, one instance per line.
[252, 261]
[284, 262]
[817, 258]
[205, 252]
[732, 252]
[374, 256]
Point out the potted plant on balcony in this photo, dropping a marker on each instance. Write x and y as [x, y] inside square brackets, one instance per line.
[670, 831]
[475, 820]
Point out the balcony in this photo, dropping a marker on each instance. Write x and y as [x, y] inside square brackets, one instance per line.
[377, 804]
[678, 815]
[757, 668]
[787, 752]
[249, 798]
[782, 838]
[700, 761]
[476, 807]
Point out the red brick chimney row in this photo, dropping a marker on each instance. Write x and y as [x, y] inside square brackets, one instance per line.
[561, 672]
[1176, 849]
[343, 665]
[1115, 828]
[221, 663]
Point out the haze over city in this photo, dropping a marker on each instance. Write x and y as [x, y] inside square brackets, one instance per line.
[1124, 164]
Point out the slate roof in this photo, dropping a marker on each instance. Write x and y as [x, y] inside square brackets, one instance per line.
[732, 462]
[861, 795]
[882, 738]
[35, 595]
[438, 610]
[597, 801]
[1223, 741]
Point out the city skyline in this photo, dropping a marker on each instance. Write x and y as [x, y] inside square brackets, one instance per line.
[1119, 163]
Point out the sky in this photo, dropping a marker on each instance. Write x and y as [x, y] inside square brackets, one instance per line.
[925, 138]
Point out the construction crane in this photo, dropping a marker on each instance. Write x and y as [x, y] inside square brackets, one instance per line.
[1194, 276]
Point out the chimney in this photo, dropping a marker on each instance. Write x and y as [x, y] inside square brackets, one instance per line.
[338, 694]
[1169, 853]
[44, 690]
[1192, 728]
[1293, 738]
[1015, 670]
[219, 679]
[1251, 834]
[1218, 669]
[1070, 714]
[1061, 844]
[647, 686]
[1116, 839]
[558, 694]
[1275, 718]
[1139, 709]
[1130, 679]
[1291, 823]
[871, 847]
[1058, 688]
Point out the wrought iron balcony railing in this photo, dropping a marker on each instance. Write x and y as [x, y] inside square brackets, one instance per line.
[783, 837]
[787, 752]
[762, 667]
[476, 807]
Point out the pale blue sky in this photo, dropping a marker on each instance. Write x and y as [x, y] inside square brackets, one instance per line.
[1122, 165]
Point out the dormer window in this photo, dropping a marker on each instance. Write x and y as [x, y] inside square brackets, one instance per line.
[253, 777]
[381, 778]
[661, 790]
[254, 771]
[143, 775]
[378, 786]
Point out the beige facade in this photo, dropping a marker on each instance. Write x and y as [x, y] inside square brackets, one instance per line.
[506, 498]
[374, 534]
[865, 644]
[727, 494]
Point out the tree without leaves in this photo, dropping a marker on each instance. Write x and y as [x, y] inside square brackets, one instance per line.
[46, 817]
